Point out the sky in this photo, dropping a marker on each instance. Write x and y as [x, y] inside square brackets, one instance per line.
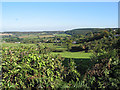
[60, 0]
[51, 16]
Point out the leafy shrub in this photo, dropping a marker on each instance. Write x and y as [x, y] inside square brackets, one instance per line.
[23, 69]
[27, 67]
[106, 72]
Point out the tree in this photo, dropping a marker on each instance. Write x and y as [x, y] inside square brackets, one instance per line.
[69, 44]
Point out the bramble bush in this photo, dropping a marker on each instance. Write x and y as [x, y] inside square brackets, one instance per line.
[106, 71]
[27, 67]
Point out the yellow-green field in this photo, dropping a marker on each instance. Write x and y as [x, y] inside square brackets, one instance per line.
[74, 54]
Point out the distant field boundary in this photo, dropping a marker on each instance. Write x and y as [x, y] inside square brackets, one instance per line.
[5, 34]
[40, 36]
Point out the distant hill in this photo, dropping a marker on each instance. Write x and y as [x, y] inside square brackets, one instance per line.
[85, 30]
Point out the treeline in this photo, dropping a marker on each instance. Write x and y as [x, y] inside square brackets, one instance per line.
[89, 41]
[84, 31]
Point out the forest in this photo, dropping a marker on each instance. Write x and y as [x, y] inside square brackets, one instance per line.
[73, 59]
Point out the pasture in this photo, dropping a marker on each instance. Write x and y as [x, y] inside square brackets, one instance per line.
[78, 55]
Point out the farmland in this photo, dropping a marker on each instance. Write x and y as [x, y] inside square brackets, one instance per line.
[74, 55]
[56, 59]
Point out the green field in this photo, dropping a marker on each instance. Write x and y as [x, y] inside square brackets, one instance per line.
[63, 35]
[16, 44]
[80, 55]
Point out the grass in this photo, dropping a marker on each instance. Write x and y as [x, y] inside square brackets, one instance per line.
[50, 45]
[62, 48]
[16, 44]
[81, 55]
[62, 35]
[42, 36]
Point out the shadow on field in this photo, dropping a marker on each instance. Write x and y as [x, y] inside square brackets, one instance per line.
[82, 64]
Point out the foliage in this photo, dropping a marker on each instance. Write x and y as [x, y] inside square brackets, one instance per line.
[29, 67]
[72, 73]
[106, 72]
[24, 68]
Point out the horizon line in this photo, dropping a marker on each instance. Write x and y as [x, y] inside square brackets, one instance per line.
[56, 30]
